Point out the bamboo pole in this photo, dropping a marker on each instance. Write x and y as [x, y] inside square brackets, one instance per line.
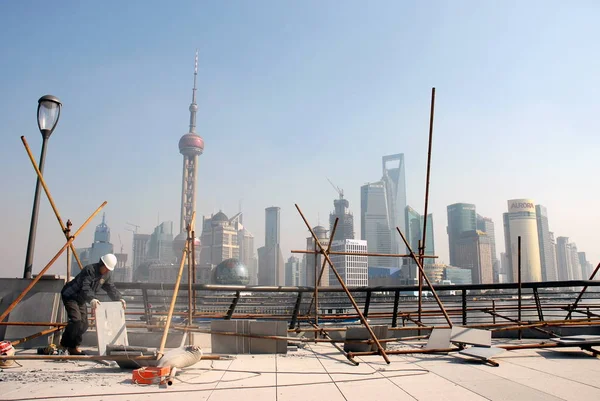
[412, 254]
[36, 335]
[163, 341]
[54, 208]
[45, 269]
[350, 297]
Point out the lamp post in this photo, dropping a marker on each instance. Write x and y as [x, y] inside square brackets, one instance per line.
[48, 113]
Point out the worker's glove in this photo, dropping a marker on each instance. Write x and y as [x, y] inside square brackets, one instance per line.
[124, 304]
[94, 304]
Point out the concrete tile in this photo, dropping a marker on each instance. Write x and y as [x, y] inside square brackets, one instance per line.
[262, 394]
[249, 372]
[298, 370]
[439, 339]
[507, 390]
[465, 335]
[429, 386]
[316, 392]
[230, 344]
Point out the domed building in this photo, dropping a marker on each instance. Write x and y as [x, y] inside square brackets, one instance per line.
[230, 272]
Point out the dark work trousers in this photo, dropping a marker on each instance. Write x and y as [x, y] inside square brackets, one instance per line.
[77, 325]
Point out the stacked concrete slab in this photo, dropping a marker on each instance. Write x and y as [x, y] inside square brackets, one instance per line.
[228, 344]
[361, 333]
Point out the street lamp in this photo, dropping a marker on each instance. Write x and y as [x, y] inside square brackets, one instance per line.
[48, 113]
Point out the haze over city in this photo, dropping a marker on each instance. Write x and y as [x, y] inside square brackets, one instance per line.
[290, 93]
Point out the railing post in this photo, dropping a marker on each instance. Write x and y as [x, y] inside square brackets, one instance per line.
[296, 310]
[147, 310]
[464, 307]
[367, 304]
[538, 304]
[396, 302]
[233, 305]
[494, 310]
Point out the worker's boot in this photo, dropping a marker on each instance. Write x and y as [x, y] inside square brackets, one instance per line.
[75, 351]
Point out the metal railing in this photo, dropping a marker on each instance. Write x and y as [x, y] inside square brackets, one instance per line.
[474, 305]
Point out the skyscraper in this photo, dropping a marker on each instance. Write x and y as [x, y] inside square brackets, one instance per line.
[101, 245]
[461, 218]
[247, 255]
[547, 255]
[160, 244]
[309, 258]
[140, 243]
[563, 259]
[575, 265]
[292, 272]
[271, 269]
[375, 225]
[395, 184]
[191, 145]
[219, 240]
[583, 262]
[486, 225]
[474, 252]
[345, 227]
[414, 231]
[353, 269]
[520, 221]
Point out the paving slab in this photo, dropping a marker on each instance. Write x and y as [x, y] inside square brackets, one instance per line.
[439, 339]
[466, 335]
[110, 325]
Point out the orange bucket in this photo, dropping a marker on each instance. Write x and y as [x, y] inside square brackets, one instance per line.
[151, 375]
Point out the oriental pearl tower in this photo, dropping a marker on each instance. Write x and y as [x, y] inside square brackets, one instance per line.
[191, 145]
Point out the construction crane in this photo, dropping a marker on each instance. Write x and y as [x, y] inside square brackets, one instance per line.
[134, 225]
[121, 242]
[337, 189]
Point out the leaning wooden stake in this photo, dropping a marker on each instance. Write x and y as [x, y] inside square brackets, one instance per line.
[163, 341]
[350, 297]
[54, 208]
[45, 269]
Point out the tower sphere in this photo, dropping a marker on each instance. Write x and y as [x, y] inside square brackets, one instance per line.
[191, 144]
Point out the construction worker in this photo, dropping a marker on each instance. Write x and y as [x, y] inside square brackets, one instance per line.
[82, 289]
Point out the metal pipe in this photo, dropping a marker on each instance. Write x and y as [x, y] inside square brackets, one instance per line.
[519, 282]
[194, 300]
[396, 303]
[582, 292]
[390, 255]
[45, 269]
[52, 204]
[33, 324]
[341, 281]
[80, 357]
[68, 234]
[412, 254]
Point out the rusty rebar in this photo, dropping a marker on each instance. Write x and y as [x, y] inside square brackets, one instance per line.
[437, 299]
[341, 281]
[387, 255]
[581, 293]
[519, 289]
[317, 283]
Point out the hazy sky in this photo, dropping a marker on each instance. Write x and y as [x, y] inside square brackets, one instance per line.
[291, 92]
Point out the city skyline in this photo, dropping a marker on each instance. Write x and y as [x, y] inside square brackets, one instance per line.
[117, 133]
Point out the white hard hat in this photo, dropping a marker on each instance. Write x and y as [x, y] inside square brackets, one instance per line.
[110, 261]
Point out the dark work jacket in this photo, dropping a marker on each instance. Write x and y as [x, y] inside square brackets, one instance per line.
[85, 285]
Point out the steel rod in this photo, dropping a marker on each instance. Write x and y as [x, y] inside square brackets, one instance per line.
[341, 281]
[582, 292]
[318, 283]
[437, 299]
[45, 269]
[390, 255]
[36, 335]
[50, 199]
[519, 282]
